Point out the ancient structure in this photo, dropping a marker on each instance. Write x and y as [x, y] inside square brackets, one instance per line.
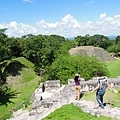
[51, 95]
[100, 53]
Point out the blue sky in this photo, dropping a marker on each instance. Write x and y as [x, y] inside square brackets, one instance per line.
[68, 18]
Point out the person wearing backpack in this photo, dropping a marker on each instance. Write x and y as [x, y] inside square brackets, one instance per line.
[102, 84]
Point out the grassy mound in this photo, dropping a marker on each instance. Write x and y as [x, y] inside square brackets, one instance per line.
[22, 81]
[71, 112]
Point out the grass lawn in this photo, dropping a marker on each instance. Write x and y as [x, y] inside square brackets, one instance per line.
[71, 112]
[114, 68]
[24, 87]
[109, 97]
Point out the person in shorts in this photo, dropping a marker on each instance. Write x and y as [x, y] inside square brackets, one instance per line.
[77, 86]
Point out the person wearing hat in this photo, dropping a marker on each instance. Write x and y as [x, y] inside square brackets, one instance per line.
[77, 86]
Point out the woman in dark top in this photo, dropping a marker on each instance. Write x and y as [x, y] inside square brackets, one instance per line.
[77, 86]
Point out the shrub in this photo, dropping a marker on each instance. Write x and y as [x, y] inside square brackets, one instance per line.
[65, 67]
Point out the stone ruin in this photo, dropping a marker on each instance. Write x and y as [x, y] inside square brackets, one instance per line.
[100, 53]
[91, 84]
[51, 95]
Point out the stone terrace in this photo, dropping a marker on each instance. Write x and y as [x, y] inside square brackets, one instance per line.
[50, 96]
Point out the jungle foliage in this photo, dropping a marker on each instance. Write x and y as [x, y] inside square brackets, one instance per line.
[49, 54]
[65, 67]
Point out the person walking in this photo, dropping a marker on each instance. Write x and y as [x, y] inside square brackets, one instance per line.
[102, 84]
[77, 86]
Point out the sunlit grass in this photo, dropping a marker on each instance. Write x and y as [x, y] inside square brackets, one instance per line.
[25, 87]
[109, 97]
[71, 112]
[114, 68]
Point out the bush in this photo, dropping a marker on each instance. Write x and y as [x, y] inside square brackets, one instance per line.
[66, 67]
[114, 48]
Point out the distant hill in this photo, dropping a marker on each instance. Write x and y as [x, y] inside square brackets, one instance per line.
[112, 37]
[70, 38]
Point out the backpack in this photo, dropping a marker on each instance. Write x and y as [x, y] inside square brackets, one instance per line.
[102, 82]
[101, 92]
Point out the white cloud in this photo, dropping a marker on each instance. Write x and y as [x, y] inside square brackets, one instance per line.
[103, 15]
[18, 29]
[68, 26]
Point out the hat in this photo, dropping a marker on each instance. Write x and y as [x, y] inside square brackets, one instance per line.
[77, 74]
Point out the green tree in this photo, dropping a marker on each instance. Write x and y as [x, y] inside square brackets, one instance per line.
[99, 41]
[65, 67]
[9, 48]
[42, 50]
[65, 47]
[117, 39]
[2, 33]
[115, 48]
[81, 41]
[4, 53]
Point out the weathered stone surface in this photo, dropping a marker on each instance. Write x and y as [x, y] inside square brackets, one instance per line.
[100, 53]
[88, 106]
[52, 83]
[59, 96]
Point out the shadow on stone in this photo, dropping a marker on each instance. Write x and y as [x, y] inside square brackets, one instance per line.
[81, 94]
[43, 87]
[108, 104]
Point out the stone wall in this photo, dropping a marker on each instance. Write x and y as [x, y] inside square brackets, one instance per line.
[55, 95]
[54, 88]
[52, 83]
[91, 84]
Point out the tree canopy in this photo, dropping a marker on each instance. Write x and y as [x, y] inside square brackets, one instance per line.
[50, 56]
[66, 66]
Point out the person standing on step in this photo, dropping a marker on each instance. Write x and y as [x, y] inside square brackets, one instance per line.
[77, 86]
[102, 84]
